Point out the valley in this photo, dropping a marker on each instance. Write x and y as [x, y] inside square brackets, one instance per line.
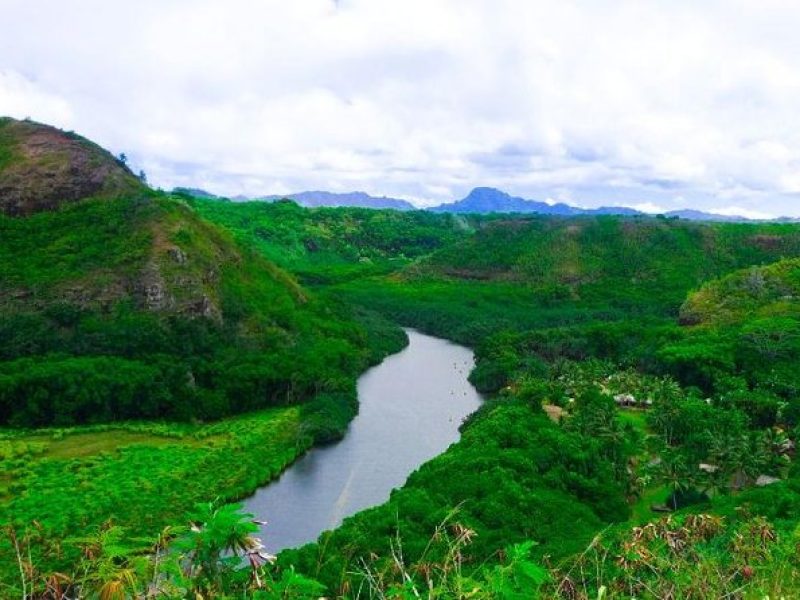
[164, 355]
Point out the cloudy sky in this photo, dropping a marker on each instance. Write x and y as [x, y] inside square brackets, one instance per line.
[652, 104]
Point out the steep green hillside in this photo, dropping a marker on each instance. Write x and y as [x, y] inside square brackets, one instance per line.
[746, 323]
[136, 307]
[758, 292]
[327, 245]
[609, 260]
[466, 276]
[518, 274]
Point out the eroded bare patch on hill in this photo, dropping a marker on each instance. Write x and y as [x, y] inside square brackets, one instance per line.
[43, 168]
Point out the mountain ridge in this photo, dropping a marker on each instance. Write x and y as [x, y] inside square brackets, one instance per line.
[484, 200]
[319, 198]
[480, 200]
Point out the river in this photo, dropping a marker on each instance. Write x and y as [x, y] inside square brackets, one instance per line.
[410, 408]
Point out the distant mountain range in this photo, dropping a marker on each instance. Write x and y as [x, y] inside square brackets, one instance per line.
[332, 199]
[482, 200]
[488, 200]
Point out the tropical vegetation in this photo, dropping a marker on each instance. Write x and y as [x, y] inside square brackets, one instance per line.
[162, 356]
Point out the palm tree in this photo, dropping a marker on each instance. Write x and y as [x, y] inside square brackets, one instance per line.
[665, 415]
[776, 444]
[715, 481]
[746, 459]
[220, 538]
[673, 472]
[219, 535]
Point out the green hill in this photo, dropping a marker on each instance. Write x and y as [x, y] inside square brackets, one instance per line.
[744, 324]
[330, 245]
[540, 272]
[132, 306]
[756, 292]
[609, 258]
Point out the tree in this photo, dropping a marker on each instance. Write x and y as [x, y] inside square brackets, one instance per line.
[746, 458]
[776, 447]
[715, 481]
[219, 538]
[772, 338]
[673, 472]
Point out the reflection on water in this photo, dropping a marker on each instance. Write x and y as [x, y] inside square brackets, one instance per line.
[410, 408]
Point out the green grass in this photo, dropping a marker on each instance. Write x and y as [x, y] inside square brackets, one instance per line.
[641, 512]
[79, 445]
[635, 418]
[143, 481]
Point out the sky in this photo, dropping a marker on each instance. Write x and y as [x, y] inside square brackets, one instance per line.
[656, 105]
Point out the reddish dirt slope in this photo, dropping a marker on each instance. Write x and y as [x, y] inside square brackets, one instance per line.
[42, 168]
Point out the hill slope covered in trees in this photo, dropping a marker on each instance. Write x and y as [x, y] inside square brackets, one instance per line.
[133, 306]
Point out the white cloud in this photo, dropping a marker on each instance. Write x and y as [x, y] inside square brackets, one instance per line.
[649, 207]
[22, 98]
[599, 102]
[740, 211]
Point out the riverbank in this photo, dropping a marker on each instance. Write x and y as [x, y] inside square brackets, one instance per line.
[410, 408]
[144, 476]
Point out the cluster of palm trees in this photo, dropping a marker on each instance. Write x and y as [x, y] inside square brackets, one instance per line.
[594, 415]
[733, 462]
[698, 448]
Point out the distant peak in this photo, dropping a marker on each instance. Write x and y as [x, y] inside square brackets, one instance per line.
[487, 191]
